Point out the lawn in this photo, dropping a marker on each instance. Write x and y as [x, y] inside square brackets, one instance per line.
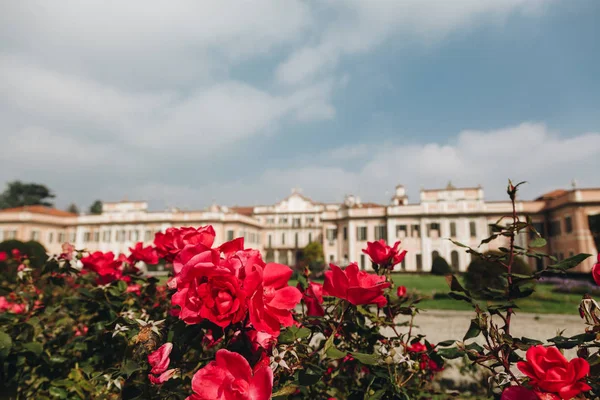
[543, 301]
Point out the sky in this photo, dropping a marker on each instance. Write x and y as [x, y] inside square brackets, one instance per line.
[188, 103]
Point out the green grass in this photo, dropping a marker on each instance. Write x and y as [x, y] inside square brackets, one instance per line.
[542, 301]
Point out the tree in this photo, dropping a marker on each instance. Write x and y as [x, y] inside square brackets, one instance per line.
[73, 208]
[96, 207]
[440, 266]
[594, 222]
[19, 194]
[313, 256]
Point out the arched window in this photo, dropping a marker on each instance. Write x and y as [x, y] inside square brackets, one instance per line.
[434, 254]
[454, 260]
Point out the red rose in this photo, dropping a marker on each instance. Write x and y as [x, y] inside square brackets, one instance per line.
[272, 299]
[259, 339]
[358, 287]
[401, 291]
[16, 254]
[384, 255]
[313, 298]
[105, 265]
[171, 242]
[3, 256]
[229, 376]
[134, 288]
[522, 393]
[596, 271]
[162, 378]
[214, 294]
[159, 359]
[550, 371]
[145, 254]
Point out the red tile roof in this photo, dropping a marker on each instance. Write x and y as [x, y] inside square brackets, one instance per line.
[39, 210]
[552, 195]
[243, 210]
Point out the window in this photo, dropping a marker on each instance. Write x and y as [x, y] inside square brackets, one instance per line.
[331, 258]
[416, 231]
[12, 234]
[148, 235]
[331, 234]
[97, 237]
[73, 237]
[296, 223]
[419, 262]
[61, 237]
[270, 240]
[403, 264]
[454, 260]
[561, 256]
[568, 224]
[106, 237]
[571, 254]
[296, 240]
[434, 254]
[35, 235]
[270, 220]
[86, 237]
[472, 229]
[453, 229]
[434, 226]
[309, 237]
[283, 221]
[229, 235]
[283, 238]
[361, 233]
[345, 233]
[123, 235]
[50, 237]
[362, 261]
[539, 263]
[310, 220]
[401, 231]
[555, 228]
[380, 232]
[539, 227]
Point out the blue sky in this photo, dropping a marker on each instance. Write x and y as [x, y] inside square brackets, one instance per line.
[239, 102]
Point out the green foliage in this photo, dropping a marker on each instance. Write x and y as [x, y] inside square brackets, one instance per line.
[487, 272]
[440, 266]
[594, 223]
[19, 194]
[96, 207]
[37, 253]
[73, 208]
[313, 256]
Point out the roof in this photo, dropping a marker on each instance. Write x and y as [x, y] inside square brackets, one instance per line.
[451, 189]
[552, 195]
[249, 211]
[39, 210]
[367, 205]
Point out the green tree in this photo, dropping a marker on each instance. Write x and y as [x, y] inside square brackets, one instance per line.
[594, 222]
[73, 208]
[440, 266]
[18, 194]
[96, 207]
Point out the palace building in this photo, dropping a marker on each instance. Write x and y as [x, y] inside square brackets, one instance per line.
[282, 229]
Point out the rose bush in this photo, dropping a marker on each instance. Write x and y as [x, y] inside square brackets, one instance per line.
[227, 325]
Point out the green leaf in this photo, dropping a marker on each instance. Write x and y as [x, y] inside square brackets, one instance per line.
[292, 333]
[5, 344]
[333, 352]
[446, 343]
[377, 395]
[458, 296]
[570, 262]
[454, 284]
[58, 392]
[129, 368]
[474, 330]
[306, 379]
[286, 391]
[34, 347]
[537, 242]
[450, 353]
[459, 244]
[367, 359]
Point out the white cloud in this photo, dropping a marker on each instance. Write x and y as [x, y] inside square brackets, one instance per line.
[359, 26]
[528, 151]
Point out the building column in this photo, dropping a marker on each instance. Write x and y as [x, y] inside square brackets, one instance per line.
[425, 246]
[351, 242]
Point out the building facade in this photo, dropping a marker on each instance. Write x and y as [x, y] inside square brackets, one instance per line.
[280, 231]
